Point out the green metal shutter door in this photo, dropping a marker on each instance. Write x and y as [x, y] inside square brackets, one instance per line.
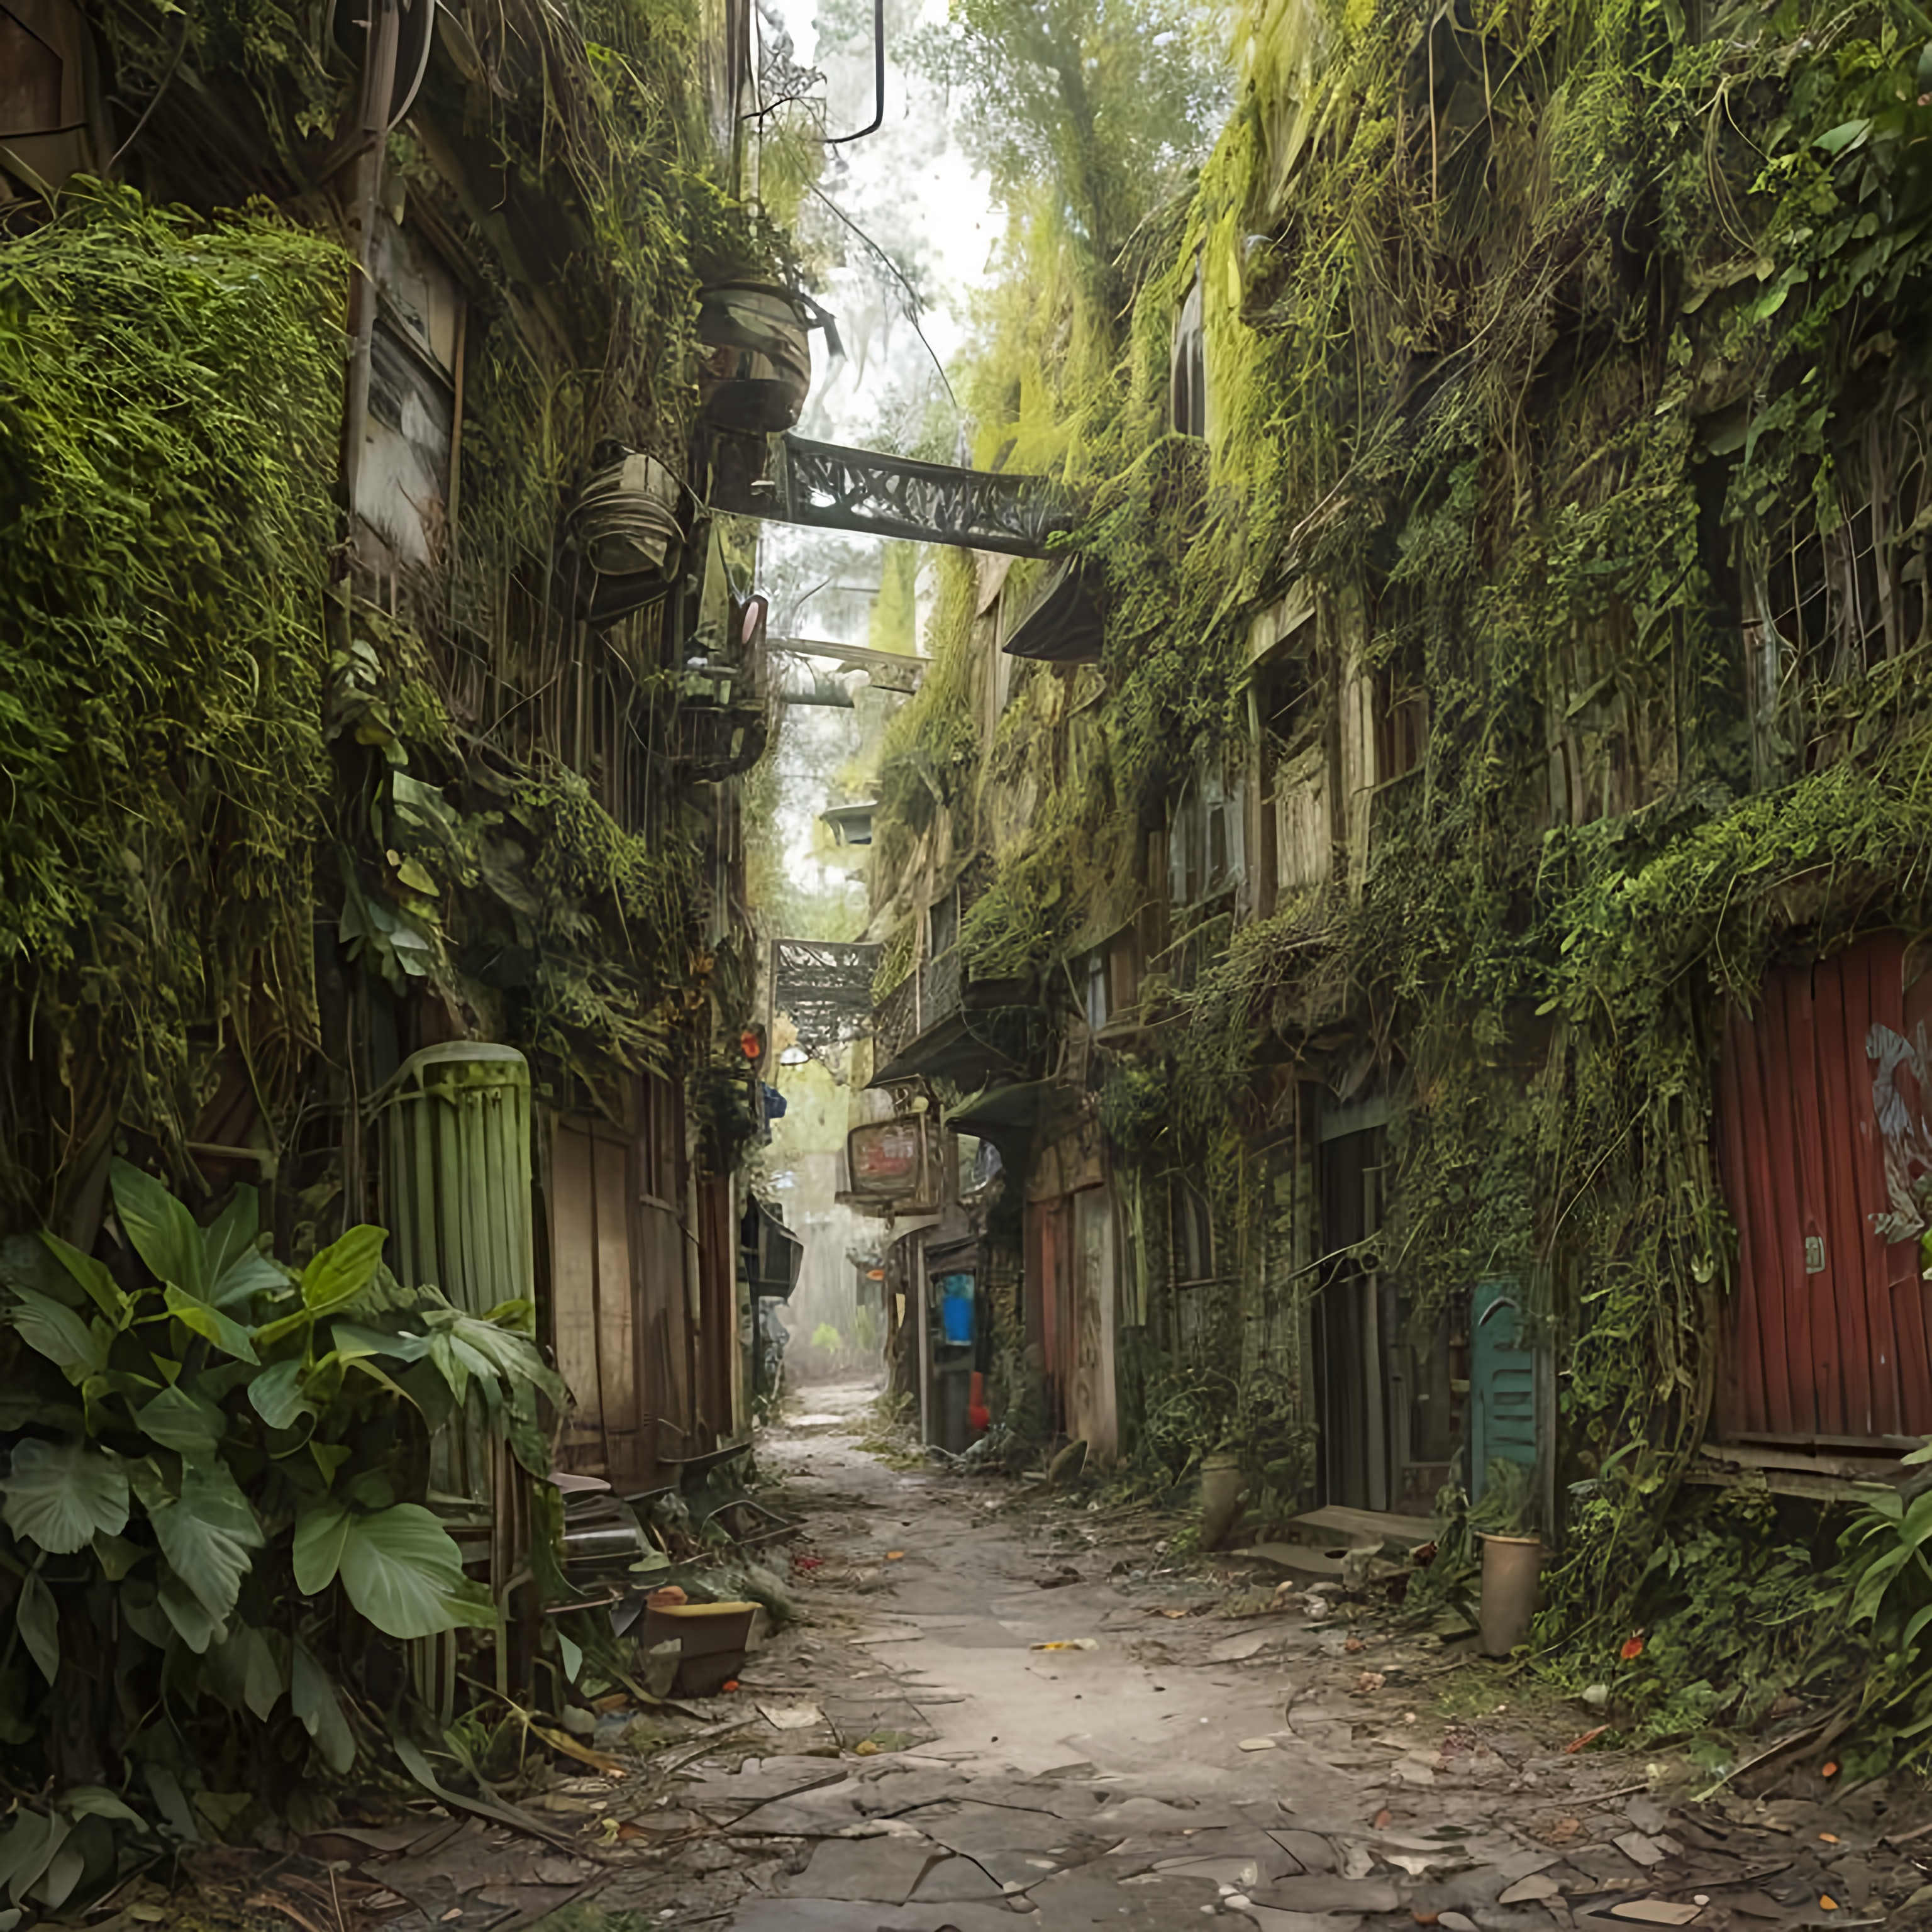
[1502, 1382]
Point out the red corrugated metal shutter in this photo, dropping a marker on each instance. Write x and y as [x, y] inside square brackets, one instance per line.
[1826, 1338]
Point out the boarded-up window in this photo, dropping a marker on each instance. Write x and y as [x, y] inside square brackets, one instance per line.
[1205, 846]
[1826, 599]
[403, 482]
[1113, 979]
[1402, 723]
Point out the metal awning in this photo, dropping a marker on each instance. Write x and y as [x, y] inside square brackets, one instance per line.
[1065, 625]
[969, 1047]
[825, 988]
[851, 824]
[1005, 1112]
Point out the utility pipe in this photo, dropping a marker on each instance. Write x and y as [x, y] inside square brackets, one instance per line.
[379, 84]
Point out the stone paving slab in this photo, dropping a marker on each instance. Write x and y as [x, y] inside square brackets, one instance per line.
[882, 1871]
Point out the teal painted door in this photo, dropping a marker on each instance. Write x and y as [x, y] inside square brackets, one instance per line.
[1502, 1382]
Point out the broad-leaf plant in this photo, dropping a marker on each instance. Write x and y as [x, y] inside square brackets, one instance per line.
[214, 1490]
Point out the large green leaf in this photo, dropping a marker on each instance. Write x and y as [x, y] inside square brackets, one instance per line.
[206, 1535]
[139, 1601]
[95, 1801]
[93, 1277]
[398, 1567]
[186, 1424]
[312, 1699]
[188, 1615]
[321, 1533]
[40, 1624]
[60, 1494]
[22, 1406]
[231, 1234]
[237, 1268]
[117, 1555]
[350, 1338]
[29, 1848]
[163, 1230]
[343, 1270]
[246, 1673]
[59, 1334]
[276, 1394]
[208, 1321]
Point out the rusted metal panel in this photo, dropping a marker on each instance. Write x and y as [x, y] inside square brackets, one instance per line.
[1823, 1141]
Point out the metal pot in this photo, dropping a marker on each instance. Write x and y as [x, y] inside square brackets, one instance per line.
[755, 365]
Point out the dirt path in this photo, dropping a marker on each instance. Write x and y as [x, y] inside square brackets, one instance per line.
[929, 1765]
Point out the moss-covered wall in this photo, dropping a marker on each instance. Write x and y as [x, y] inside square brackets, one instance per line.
[1543, 345]
[279, 811]
[170, 414]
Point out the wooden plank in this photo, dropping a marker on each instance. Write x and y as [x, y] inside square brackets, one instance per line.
[574, 1295]
[616, 1332]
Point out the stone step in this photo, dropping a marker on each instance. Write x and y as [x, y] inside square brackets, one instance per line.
[1299, 1559]
[1335, 1529]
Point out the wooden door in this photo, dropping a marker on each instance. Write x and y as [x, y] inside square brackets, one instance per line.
[1355, 1333]
[594, 1300]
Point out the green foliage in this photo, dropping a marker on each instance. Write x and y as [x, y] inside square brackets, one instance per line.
[1534, 341]
[197, 1460]
[1740, 1608]
[1107, 102]
[170, 410]
[1508, 1504]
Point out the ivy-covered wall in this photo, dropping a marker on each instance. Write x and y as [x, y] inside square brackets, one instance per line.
[170, 402]
[1565, 365]
[277, 812]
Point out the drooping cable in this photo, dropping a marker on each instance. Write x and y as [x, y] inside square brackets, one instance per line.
[878, 119]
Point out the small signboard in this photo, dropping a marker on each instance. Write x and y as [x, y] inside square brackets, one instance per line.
[886, 1160]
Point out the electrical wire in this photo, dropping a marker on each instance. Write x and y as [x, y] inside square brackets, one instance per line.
[878, 119]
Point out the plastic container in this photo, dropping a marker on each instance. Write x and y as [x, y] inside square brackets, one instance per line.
[711, 1640]
[1511, 1565]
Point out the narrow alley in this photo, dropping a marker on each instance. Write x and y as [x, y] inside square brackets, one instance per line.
[965, 960]
[1004, 1700]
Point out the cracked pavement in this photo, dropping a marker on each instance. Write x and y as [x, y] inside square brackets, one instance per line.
[1210, 1743]
[1187, 1762]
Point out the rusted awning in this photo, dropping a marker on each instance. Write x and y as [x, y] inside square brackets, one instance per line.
[1067, 625]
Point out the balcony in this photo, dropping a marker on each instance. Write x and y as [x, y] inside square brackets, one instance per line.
[940, 1021]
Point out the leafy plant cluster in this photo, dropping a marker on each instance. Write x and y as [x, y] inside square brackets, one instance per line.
[217, 1475]
[170, 395]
